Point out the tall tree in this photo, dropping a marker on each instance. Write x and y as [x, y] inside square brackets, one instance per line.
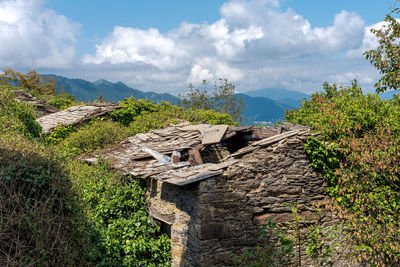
[30, 80]
[223, 99]
[386, 57]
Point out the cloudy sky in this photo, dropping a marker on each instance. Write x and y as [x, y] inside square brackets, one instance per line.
[164, 45]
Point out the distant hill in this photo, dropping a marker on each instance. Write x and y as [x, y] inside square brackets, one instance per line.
[87, 91]
[280, 95]
[262, 109]
[258, 108]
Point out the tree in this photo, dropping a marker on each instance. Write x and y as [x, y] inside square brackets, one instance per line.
[386, 58]
[30, 80]
[223, 99]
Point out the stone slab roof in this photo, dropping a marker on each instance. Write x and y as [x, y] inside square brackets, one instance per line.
[74, 115]
[150, 155]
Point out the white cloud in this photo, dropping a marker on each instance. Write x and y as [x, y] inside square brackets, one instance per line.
[348, 76]
[198, 74]
[254, 44]
[138, 46]
[370, 41]
[33, 36]
[245, 45]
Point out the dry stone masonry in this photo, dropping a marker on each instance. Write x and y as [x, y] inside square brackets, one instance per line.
[225, 183]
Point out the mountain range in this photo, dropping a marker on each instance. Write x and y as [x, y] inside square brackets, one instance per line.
[261, 106]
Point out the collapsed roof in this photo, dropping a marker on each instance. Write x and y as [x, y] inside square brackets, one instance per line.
[175, 154]
[74, 115]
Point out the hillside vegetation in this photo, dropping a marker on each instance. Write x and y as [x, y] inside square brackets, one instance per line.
[58, 211]
[359, 156]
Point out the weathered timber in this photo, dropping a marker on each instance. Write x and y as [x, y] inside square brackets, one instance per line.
[195, 157]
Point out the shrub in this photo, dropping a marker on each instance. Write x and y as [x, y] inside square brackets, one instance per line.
[40, 223]
[124, 234]
[61, 101]
[358, 156]
[345, 111]
[17, 117]
[139, 112]
[131, 108]
[95, 135]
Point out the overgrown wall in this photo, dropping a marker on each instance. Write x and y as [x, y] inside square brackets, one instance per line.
[213, 219]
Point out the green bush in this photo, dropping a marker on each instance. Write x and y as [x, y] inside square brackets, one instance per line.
[58, 134]
[125, 235]
[97, 134]
[17, 117]
[41, 224]
[139, 112]
[131, 108]
[344, 111]
[61, 101]
[359, 158]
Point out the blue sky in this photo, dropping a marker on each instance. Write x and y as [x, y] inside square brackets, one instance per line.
[165, 45]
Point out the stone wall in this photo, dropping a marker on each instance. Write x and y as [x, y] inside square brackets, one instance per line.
[215, 218]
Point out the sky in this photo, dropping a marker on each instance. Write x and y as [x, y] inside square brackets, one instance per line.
[163, 46]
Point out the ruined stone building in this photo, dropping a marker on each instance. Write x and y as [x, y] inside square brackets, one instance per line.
[211, 187]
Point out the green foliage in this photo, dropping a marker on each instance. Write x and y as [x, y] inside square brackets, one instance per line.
[97, 134]
[142, 115]
[131, 108]
[325, 158]
[61, 101]
[344, 111]
[124, 234]
[276, 249]
[58, 134]
[359, 158]
[16, 117]
[30, 81]
[386, 57]
[40, 222]
[223, 99]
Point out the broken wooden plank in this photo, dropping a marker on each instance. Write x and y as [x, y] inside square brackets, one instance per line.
[157, 155]
[195, 157]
